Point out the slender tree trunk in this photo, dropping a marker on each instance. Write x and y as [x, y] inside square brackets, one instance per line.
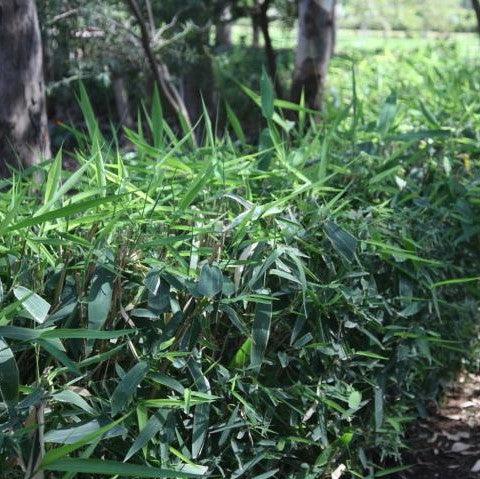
[198, 81]
[255, 31]
[316, 39]
[269, 50]
[159, 70]
[24, 139]
[223, 30]
[476, 7]
[121, 101]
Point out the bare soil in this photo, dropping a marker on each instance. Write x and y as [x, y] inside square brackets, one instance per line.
[446, 445]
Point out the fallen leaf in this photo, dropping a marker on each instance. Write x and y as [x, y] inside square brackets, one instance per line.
[457, 436]
[338, 472]
[460, 446]
[476, 467]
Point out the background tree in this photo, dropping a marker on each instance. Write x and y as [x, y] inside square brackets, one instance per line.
[24, 136]
[476, 7]
[316, 39]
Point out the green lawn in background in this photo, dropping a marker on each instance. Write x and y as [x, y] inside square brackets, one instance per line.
[285, 38]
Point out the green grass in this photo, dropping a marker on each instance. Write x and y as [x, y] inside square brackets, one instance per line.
[366, 40]
[233, 310]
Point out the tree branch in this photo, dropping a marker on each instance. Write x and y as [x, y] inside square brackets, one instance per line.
[160, 71]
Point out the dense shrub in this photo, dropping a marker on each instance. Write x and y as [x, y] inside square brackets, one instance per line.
[268, 311]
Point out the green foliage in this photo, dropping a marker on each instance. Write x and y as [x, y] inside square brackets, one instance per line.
[204, 311]
[444, 16]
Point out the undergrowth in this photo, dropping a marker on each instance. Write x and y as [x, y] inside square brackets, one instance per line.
[233, 310]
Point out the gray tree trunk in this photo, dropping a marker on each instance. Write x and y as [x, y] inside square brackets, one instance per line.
[316, 40]
[476, 7]
[223, 33]
[121, 102]
[24, 139]
[255, 32]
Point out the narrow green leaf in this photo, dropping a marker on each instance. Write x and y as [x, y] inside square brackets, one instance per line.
[387, 113]
[53, 178]
[157, 119]
[266, 475]
[454, 281]
[100, 298]
[79, 207]
[18, 333]
[72, 435]
[191, 193]
[59, 355]
[127, 387]
[210, 281]
[343, 242]
[428, 114]
[241, 356]
[392, 470]
[260, 333]
[235, 124]
[82, 333]
[111, 468]
[267, 95]
[152, 427]
[88, 114]
[9, 375]
[71, 397]
[36, 306]
[378, 406]
[201, 415]
[56, 454]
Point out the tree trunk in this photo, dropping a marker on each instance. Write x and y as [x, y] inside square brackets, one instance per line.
[198, 81]
[476, 7]
[316, 39]
[159, 70]
[24, 139]
[223, 30]
[255, 32]
[121, 102]
[269, 51]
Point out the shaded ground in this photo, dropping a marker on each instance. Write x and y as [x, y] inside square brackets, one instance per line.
[447, 444]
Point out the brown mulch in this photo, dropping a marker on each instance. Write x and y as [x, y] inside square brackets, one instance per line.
[446, 445]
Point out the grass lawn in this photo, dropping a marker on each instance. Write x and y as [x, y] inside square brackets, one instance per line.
[285, 38]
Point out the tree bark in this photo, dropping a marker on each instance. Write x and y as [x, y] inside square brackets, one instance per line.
[269, 50]
[316, 40]
[198, 84]
[24, 139]
[476, 7]
[223, 30]
[255, 31]
[121, 102]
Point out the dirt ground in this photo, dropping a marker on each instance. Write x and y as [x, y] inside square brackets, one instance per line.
[446, 445]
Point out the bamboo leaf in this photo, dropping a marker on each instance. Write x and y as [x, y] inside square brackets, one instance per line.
[210, 281]
[343, 242]
[9, 375]
[127, 387]
[260, 333]
[100, 297]
[111, 468]
[152, 427]
[267, 95]
[36, 306]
